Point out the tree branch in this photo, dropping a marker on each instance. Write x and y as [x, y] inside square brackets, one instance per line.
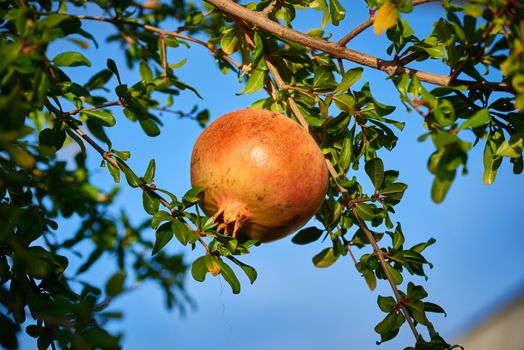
[380, 255]
[118, 21]
[164, 56]
[351, 203]
[64, 116]
[338, 51]
[292, 104]
[359, 29]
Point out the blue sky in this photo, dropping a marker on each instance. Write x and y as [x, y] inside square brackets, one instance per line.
[294, 305]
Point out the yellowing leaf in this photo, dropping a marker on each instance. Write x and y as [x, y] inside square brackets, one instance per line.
[212, 265]
[386, 17]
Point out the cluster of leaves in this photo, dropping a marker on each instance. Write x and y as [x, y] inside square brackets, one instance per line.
[38, 288]
[351, 127]
[484, 37]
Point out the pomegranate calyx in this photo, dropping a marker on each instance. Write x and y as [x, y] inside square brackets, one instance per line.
[230, 216]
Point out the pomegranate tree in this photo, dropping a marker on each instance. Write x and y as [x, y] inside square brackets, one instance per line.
[263, 175]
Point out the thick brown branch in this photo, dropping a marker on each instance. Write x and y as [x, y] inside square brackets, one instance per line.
[338, 51]
[380, 256]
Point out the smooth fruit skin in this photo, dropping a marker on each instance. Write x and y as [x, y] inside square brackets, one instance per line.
[263, 175]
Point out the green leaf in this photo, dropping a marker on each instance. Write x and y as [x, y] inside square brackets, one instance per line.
[160, 217]
[323, 79]
[71, 59]
[421, 246]
[99, 80]
[250, 272]
[8, 335]
[131, 177]
[395, 275]
[325, 258]
[149, 176]
[440, 187]
[178, 64]
[349, 78]
[163, 235]
[111, 65]
[229, 41]
[182, 232]
[480, 118]
[150, 127]
[345, 154]
[472, 9]
[371, 280]
[512, 147]
[430, 307]
[375, 170]
[398, 238]
[365, 211]
[151, 203]
[386, 304]
[101, 116]
[394, 190]
[255, 82]
[21, 157]
[115, 285]
[390, 323]
[191, 196]
[199, 269]
[229, 276]
[345, 103]
[145, 72]
[114, 172]
[336, 11]
[307, 235]
[171, 195]
[491, 161]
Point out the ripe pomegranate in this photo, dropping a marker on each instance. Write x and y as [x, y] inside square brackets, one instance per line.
[263, 175]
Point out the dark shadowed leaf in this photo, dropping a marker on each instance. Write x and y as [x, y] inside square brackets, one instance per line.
[163, 235]
[307, 235]
[375, 170]
[115, 285]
